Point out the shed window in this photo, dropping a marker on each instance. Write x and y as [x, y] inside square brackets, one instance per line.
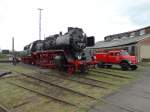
[142, 32]
[132, 34]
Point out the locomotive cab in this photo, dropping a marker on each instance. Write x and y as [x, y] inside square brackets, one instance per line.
[90, 41]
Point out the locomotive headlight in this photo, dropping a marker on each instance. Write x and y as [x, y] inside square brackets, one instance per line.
[79, 57]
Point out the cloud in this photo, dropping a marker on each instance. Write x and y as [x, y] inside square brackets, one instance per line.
[138, 11]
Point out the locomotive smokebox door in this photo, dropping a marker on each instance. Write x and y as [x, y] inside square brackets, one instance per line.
[90, 41]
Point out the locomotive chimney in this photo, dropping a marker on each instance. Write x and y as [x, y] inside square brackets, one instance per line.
[60, 33]
[70, 28]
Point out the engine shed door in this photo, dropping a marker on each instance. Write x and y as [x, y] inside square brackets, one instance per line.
[144, 54]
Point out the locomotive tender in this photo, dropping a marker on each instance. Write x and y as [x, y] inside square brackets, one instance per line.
[62, 51]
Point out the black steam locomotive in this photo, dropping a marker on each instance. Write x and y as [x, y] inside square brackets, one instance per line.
[61, 51]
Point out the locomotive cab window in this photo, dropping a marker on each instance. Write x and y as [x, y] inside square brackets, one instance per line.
[90, 41]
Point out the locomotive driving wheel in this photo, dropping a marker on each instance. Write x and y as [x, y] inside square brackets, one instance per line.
[83, 68]
[71, 70]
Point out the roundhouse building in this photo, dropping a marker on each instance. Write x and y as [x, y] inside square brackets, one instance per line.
[136, 42]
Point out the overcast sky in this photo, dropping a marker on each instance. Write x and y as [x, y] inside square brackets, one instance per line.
[19, 18]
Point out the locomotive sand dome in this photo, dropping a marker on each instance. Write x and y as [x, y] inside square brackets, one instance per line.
[61, 50]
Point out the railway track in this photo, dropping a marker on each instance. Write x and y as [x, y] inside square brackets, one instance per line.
[98, 72]
[84, 79]
[89, 79]
[42, 94]
[58, 79]
[119, 75]
[79, 79]
[3, 109]
[45, 80]
[110, 79]
[46, 83]
[96, 80]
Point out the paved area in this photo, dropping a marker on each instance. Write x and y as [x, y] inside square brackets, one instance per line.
[134, 98]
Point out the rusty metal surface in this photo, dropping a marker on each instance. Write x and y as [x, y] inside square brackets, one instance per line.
[3, 73]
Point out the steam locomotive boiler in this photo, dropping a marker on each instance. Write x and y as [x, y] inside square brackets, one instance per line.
[62, 51]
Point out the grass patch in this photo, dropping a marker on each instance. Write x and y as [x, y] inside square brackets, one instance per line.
[3, 56]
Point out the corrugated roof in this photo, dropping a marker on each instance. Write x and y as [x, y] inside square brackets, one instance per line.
[119, 42]
[130, 31]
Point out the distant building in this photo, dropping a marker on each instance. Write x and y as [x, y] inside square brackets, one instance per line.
[136, 42]
[5, 51]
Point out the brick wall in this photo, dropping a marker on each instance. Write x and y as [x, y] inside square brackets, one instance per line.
[147, 30]
[145, 41]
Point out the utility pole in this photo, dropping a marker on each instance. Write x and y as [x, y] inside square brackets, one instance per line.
[13, 50]
[40, 22]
